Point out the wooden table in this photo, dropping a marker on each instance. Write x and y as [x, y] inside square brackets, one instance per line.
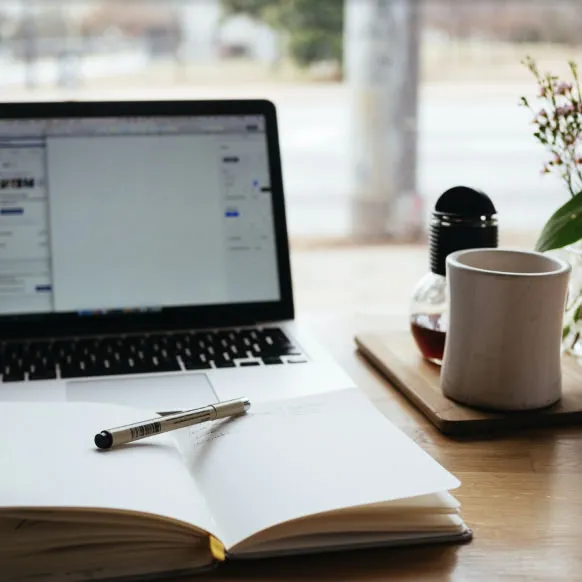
[522, 495]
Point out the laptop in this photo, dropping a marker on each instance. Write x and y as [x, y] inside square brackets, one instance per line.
[144, 257]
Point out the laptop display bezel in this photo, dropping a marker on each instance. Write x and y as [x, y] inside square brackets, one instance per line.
[169, 318]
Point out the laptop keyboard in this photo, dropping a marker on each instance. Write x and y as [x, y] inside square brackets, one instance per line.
[139, 354]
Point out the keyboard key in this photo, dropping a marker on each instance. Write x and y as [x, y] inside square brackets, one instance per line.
[289, 351]
[196, 363]
[196, 366]
[300, 361]
[12, 374]
[165, 365]
[224, 364]
[248, 363]
[42, 374]
[71, 372]
[223, 361]
[271, 360]
[170, 365]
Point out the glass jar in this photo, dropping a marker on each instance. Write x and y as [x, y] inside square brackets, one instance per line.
[428, 316]
[463, 218]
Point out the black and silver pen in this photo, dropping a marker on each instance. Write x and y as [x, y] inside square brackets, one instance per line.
[122, 435]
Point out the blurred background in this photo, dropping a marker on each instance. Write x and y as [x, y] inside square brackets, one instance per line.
[383, 104]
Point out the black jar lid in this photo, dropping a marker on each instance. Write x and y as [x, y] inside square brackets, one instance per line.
[463, 218]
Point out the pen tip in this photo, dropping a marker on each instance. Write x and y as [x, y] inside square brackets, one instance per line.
[247, 404]
[103, 440]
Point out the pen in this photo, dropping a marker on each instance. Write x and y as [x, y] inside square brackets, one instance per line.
[122, 435]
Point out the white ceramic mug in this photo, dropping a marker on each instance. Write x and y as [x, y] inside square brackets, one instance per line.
[502, 348]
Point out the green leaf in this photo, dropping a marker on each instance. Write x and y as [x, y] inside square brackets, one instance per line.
[564, 227]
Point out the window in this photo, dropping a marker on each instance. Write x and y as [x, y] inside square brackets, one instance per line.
[440, 89]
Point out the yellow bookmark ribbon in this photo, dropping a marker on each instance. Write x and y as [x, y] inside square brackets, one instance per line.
[217, 549]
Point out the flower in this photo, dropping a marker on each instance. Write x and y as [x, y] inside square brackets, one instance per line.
[559, 124]
[562, 88]
[564, 110]
[558, 121]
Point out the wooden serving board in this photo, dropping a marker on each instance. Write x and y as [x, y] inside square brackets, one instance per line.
[396, 356]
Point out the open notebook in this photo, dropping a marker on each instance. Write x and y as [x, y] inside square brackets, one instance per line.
[309, 474]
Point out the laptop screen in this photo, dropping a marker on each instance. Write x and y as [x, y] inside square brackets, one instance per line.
[135, 214]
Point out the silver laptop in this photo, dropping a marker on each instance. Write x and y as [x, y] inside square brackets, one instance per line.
[144, 257]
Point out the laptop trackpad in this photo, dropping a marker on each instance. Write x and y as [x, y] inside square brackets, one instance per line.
[156, 393]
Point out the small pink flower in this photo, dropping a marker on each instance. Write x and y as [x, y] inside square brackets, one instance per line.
[557, 161]
[543, 92]
[564, 110]
[562, 88]
[545, 170]
[542, 113]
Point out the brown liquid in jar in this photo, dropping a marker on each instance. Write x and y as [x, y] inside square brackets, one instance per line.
[430, 338]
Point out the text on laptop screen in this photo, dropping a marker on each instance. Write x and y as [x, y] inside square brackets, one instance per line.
[107, 214]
